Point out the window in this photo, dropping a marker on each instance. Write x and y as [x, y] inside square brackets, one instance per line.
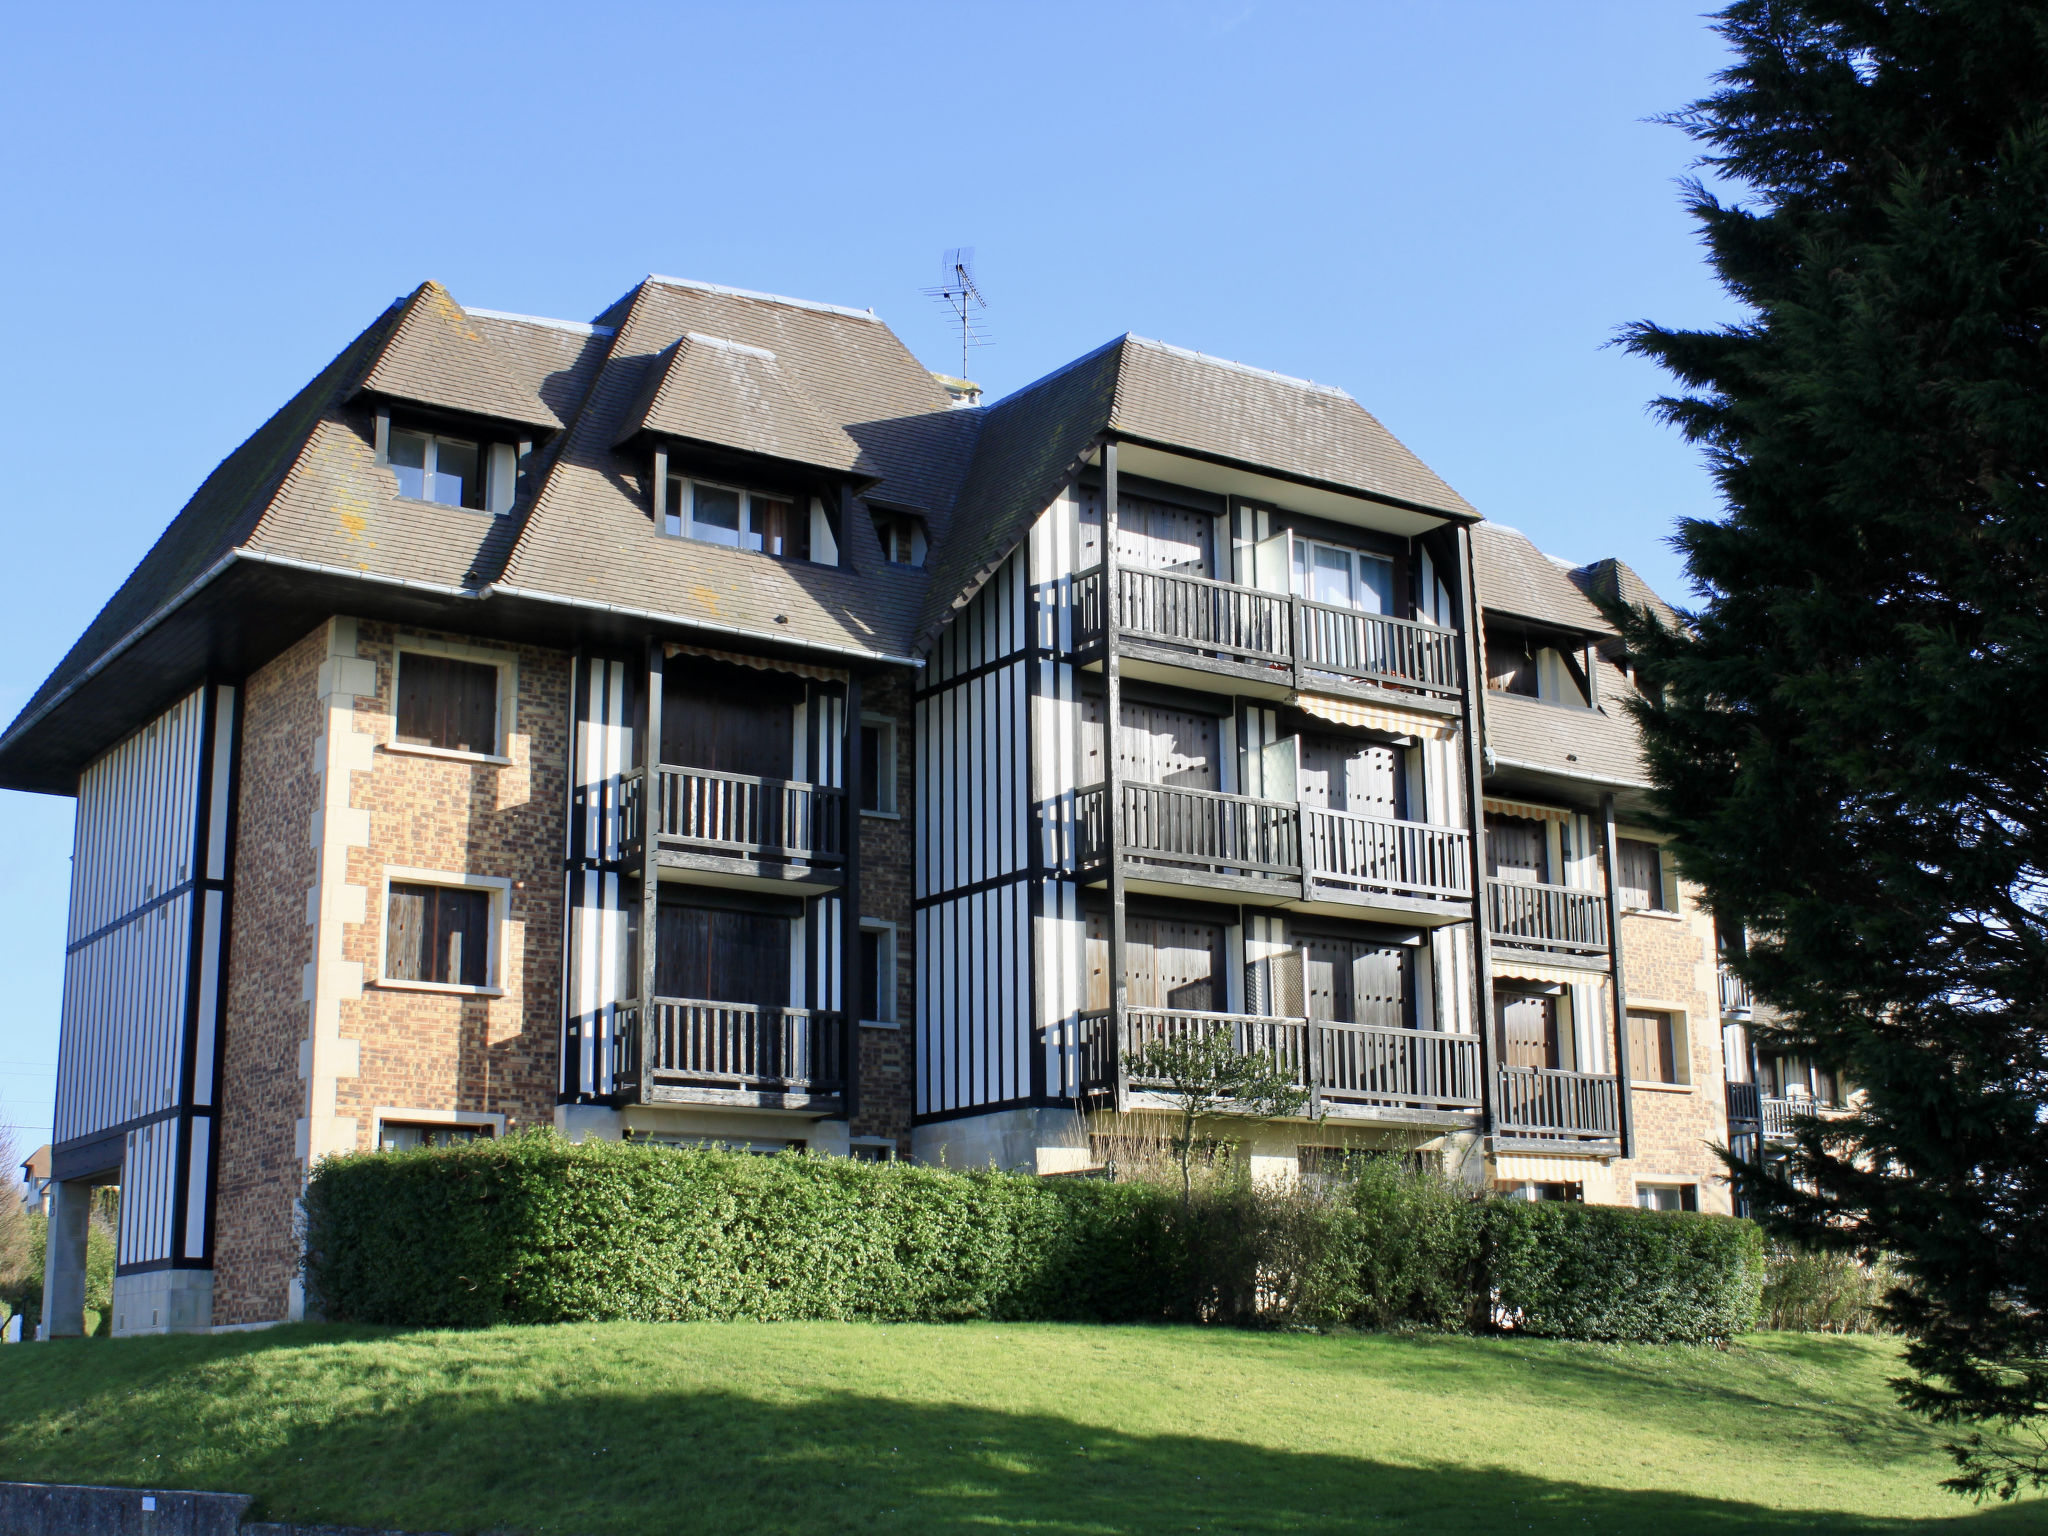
[455, 471]
[1668, 1197]
[1653, 1047]
[439, 934]
[397, 1136]
[723, 955]
[877, 971]
[1531, 1189]
[1347, 578]
[1642, 875]
[902, 537]
[448, 704]
[1529, 1035]
[872, 1149]
[1511, 667]
[878, 764]
[740, 519]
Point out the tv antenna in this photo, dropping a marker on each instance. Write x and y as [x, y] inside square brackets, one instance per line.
[959, 292]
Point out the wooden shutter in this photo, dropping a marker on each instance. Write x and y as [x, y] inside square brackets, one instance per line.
[712, 718]
[1642, 874]
[1341, 774]
[1517, 849]
[1150, 535]
[405, 928]
[446, 703]
[723, 957]
[1652, 1057]
[1528, 1029]
[1355, 981]
[1167, 963]
[1156, 746]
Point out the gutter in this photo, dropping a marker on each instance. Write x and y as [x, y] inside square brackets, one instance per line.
[206, 578]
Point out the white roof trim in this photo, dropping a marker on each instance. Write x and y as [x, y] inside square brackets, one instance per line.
[1246, 368]
[574, 327]
[727, 344]
[768, 298]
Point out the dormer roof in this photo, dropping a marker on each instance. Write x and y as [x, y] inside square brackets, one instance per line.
[437, 355]
[725, 393]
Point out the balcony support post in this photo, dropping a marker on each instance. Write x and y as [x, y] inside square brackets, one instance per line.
[649, 931]
[849, 905]
[1624, 1097]
[1112, 780]
[1475, 817]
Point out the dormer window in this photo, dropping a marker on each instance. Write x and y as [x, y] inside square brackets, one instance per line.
[736, 517]
[454, 471]
[902, 537]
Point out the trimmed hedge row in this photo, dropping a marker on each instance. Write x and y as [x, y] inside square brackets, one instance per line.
[532, 1229]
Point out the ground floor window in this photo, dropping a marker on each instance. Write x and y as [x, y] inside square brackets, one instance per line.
[1668, 1197]
[1535, 1189]
[402, 1136]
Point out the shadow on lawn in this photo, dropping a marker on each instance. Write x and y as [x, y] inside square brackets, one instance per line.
[608, 1460]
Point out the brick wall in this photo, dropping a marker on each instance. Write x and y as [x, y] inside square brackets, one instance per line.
[426, 1050]
[268, 949]
[1669, 964]
[885, 849]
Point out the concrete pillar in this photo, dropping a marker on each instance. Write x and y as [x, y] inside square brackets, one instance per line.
[64, 1261]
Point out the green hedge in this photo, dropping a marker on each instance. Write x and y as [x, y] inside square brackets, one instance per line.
[532, 1229]
[1613, 1272]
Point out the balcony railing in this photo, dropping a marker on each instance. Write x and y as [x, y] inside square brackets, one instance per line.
[1364, 1064]
[1205, 832]
[1553, 1105]
[746, 816]
[1547, 917]
[698, 1042]
[1782, 1116]
[1245, 625]
[1743, 1104]
[1736, 1002]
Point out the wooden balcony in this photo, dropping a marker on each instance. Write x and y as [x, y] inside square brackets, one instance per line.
[738, 829]
[1542, 1104]
[1271, 641]
[1359, 1071]
[697, 1051]
[1745, 1107]
[1558, 921]
[1781, 1117]
[1736, 1002]
[1279, 852]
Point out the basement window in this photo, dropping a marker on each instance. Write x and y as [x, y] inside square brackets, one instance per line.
[394, 1136]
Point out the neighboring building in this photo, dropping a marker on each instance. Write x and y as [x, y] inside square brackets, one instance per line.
[695, 725]
[35, 1180]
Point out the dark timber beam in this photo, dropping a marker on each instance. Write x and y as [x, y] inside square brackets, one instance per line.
[1475, 808]
[1112, 780]
[849, 906]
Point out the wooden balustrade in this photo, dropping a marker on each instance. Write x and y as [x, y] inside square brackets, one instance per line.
[1250, 626]
[1744, 1103]
[743, 1045]
[742, 814]
[1539, 1101]
[1363, 1064]
[1200, 829]
[1406, 858]
[1548, 917]
[1736, 1001]
[1781, 1117]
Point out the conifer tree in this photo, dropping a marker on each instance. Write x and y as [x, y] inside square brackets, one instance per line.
[1850, 740]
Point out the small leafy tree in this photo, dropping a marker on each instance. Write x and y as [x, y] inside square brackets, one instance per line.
[1208, 1078]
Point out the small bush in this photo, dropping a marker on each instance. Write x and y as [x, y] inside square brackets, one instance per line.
[1415, 1243]
[1813, 1291]
[1616, 1273]
[21, 1287]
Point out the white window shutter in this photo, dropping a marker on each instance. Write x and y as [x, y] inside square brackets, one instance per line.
[501, 477]
[824, 548]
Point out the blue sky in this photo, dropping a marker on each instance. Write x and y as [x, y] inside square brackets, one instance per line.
[1446, 209]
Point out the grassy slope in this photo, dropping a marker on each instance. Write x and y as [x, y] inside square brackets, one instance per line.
[592, 1430]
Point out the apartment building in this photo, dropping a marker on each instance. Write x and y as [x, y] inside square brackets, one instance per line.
[705, 724]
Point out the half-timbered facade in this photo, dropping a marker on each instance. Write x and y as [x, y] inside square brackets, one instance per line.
[702, 724]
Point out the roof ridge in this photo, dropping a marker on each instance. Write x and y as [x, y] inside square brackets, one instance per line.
[767, 298]
[575, 327]
[1237, 367]
[1024, 389]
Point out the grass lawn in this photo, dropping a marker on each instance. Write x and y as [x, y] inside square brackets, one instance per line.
[801, 1427]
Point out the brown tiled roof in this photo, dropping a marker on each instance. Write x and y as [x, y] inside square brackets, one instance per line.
[730, 395]
[1515, 578]
[1610, 581]
[436, 355]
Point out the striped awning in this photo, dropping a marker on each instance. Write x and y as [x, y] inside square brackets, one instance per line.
[1536, 970]
[1526, 810]
[1377, 717]
[1515, 1167]
[759, 663]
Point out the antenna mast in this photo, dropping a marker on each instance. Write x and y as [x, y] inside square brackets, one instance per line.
[958, 292]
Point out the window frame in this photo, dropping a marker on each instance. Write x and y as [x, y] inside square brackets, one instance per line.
[1681, 1047]
[497, 485]
[678, 518]
[499, 889]
[886, 807]
[890, 526]
[1301, 566]
[1663, 897]
[1688, 1192]
[507, 666]
[494, 1126]
[888, 994]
